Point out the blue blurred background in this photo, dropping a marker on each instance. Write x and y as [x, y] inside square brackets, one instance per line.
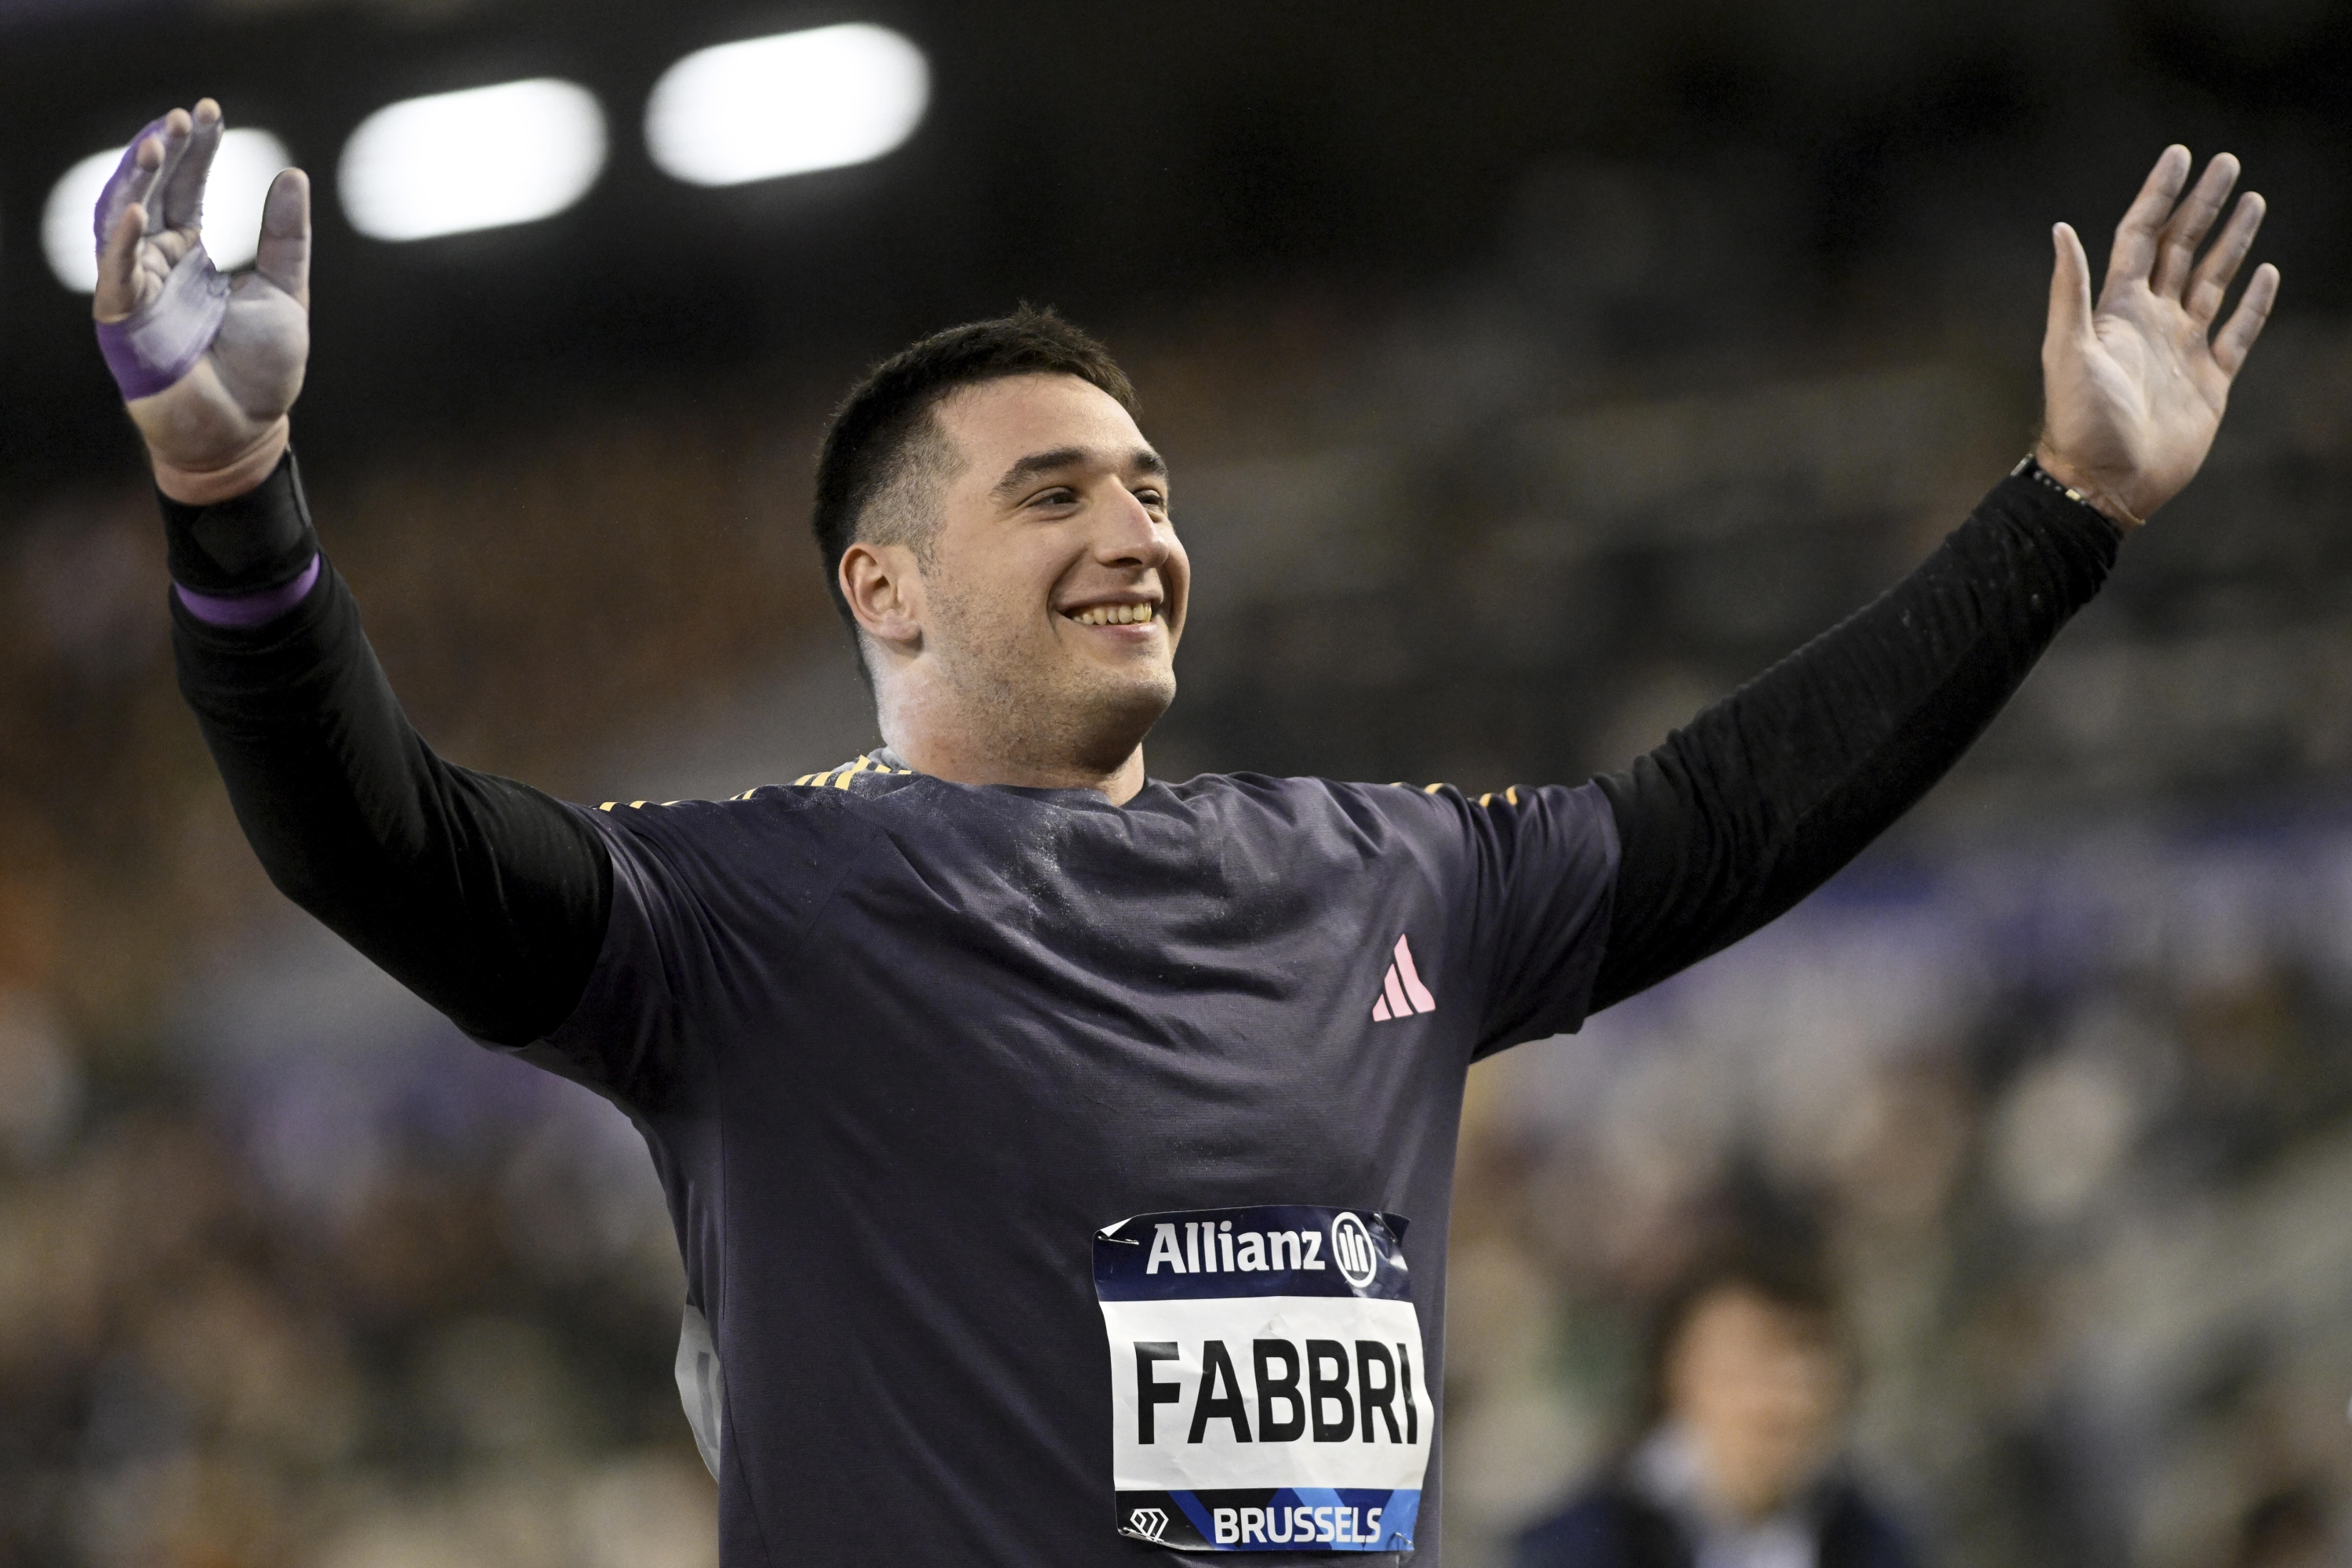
[1531, 375]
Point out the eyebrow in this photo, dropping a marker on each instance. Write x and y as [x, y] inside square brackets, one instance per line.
[1143, 459]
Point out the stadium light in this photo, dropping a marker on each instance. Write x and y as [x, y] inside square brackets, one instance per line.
[242, 169]
[482, 158]
[787, 104]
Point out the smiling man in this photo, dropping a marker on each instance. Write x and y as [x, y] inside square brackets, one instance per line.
[1006, 559]
[1061, 1157]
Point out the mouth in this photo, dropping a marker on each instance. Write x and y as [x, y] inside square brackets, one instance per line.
[1114, 614]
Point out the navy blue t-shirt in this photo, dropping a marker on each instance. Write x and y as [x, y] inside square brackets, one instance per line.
[901, 1048]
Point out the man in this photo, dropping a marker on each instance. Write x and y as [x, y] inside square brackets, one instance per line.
[1750, 1383]
[1042, 1138]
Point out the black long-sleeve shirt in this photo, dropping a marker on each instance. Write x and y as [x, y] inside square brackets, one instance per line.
[900, 1047]
[488, 899]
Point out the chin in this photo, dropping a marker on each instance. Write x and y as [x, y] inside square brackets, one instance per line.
[1126, 704]
[1154, 691]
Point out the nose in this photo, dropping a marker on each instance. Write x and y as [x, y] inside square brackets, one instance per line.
[1126, 535]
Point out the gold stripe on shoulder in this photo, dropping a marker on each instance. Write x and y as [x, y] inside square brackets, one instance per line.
[608, 806]
[1431, 789]
[838, 778]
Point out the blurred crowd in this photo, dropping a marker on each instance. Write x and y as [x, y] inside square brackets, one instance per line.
[2058, 1083]
[290, 1273]
[2069, 1123]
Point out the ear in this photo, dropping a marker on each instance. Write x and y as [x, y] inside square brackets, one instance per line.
[886, 594]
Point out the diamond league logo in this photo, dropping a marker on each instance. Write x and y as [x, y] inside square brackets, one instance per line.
[1352, 1250]
[1148, 1522]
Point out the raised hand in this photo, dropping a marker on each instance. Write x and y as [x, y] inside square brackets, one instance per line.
[209, 366]
[2134, 390]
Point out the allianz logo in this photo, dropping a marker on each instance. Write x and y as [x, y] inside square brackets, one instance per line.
[1213, 1247]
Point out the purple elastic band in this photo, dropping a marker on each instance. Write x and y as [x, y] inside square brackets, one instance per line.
[250, 609]
[155, 345]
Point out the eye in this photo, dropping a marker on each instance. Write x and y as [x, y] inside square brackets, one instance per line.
[1153, 497]
[1060, 495]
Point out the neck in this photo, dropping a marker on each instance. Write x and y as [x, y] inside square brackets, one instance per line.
[949, 739]
[1675, 1466]
[942, 758]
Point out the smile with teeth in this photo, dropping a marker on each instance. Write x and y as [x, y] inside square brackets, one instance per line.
[1112, 615]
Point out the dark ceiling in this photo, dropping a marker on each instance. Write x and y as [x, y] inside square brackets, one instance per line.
[1126, 162]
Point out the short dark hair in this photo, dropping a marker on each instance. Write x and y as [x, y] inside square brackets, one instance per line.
[1793, 1279]
[877, 436]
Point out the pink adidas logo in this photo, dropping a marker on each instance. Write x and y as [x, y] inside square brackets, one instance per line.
[1402, 992]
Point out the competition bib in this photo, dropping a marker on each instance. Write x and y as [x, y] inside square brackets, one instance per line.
[1265, 1380]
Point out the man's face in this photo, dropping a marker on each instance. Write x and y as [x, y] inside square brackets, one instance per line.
[1053, 589]
[1760, 1388]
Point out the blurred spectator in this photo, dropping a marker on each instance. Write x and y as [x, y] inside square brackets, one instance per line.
[1742, 1467]
[2288, 1528]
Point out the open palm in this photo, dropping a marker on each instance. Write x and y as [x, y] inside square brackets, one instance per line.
[2134, 389]
[218, 427]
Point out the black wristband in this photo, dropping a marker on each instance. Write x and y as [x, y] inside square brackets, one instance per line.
[262, 539]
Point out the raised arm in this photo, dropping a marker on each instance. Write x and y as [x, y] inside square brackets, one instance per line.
[1767, 793]
[485, 897]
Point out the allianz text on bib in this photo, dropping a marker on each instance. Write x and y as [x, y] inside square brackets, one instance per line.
[1265, 1379]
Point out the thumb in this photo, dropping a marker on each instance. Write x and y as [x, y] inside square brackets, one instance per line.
[283, 255]
[2070, 291]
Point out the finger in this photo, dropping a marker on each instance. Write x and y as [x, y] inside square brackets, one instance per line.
[284, 257]
[183, 199]
[2245, 323]
[176, 129]
[117, 266]
[2176, 249]
[2070, 290]
[131, 181]
[2219, 268]
[2134, 252]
